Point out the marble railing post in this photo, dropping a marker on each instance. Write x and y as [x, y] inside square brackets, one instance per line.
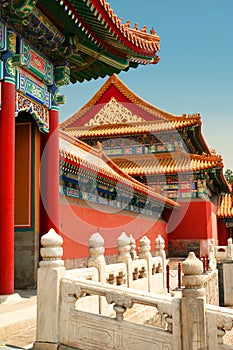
[193, 305]
[124, 256]
[144, 253]
[96, 255]
[229, 248]
[159, 251]
[96, 259]
[50, 272]
[133, 252]
[212, 260]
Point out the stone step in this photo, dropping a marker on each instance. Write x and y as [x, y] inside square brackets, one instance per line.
[17, 319]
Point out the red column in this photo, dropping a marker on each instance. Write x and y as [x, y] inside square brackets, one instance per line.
[49, 175]
[7, 168]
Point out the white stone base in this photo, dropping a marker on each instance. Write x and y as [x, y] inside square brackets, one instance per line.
[44, 346]
[10, 298]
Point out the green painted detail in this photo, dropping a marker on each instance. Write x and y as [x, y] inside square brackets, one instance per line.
[18, 60]
[105, 57]
[62, 75]
[23, 7]
[1, 69]
[34, 62]
[11, 42]
[3, 37]
[54, 108]
[60, 99]
[73, 43]
[9, 80]
[10, 69]
[58, 33]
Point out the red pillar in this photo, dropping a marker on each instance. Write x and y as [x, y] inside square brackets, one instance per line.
[49, 175]
[7, 168]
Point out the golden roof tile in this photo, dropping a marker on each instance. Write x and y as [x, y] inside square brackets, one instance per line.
[81, 154]
[134, 128]
[167, 163]
[225, 206]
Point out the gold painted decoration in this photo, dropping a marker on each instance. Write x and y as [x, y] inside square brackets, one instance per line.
[38, 112]
[113, 112]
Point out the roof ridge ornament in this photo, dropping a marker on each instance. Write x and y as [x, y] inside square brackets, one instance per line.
[113, 112]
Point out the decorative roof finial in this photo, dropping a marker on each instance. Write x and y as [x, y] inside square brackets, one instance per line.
[127, 24]
[144, 29]
[152, 31]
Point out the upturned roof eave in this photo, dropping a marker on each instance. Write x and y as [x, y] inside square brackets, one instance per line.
[123, 177]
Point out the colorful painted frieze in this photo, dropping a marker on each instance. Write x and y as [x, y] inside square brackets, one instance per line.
[39, 113]
[30, 88]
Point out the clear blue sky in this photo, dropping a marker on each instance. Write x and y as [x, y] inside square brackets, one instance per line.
[195, 72]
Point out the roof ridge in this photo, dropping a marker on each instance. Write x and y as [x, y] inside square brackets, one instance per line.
[146, 41]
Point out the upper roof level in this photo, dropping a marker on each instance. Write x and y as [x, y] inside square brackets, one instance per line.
[87, 35]
[115, 111]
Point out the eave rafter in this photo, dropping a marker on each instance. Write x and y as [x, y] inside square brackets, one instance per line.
[87, 35]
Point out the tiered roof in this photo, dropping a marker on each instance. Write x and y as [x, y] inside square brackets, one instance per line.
[116, 111]
[81, 156]
[85, 35]
[137, 116]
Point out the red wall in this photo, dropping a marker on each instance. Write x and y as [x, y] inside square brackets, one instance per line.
[194, 220]
[222, 232]
[78, 223]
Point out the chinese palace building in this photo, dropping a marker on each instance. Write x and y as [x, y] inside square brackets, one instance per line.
[44, 45]
[96, 195]
[162, 151]
[225, 217]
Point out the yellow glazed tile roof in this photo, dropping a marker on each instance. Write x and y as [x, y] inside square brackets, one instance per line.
[79, 153]
[133, 128]
[167, 163]
[225, 206]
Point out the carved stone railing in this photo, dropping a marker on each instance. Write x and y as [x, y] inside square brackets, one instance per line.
[133, 269]
[224, 252]
[115, 333]
[72, 304]
[219, 323]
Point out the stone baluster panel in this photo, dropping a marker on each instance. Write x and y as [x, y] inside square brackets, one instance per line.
[229, 248]
[133, 251]
[96, 255]
[160, 251]
[212, 260]
[124, 256]
[96, 259]
[144, 253]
